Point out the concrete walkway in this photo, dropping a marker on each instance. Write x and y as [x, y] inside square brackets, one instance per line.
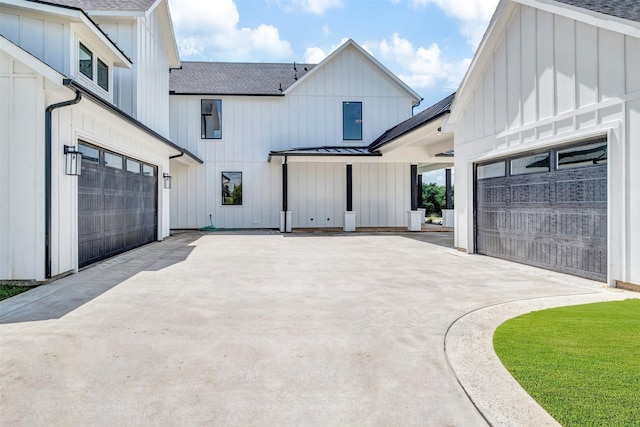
[262, 329]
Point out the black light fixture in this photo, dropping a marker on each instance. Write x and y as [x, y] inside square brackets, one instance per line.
[167, 180]
[72, 161]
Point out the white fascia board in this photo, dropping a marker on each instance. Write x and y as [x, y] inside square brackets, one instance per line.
[31, 61]
[367, 55]
[74, 15]
[168, 34]
[599, 20]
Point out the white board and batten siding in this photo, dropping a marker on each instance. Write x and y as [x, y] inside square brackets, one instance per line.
[548, 80]
[21, 171]
[310, 115]
[141, 91]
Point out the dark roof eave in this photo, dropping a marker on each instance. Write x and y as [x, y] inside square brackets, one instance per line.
[118, 112]
[373, 145]
[299, 154]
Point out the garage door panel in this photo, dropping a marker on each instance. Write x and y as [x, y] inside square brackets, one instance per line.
[555, 220]
[117, 211]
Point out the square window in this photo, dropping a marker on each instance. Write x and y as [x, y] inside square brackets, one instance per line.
[352, 121]
[148, 170]
[103, 75]
[85, 58]
[492, 170]
[112, 160]
[530, 164]
[133, 166]
[232, 188]
[89, 154]
[211, 121]
[584, 155]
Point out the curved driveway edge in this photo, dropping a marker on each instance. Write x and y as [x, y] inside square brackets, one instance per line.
[469, 350]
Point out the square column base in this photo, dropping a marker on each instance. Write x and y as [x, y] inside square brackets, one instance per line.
[414, 221]
[448, 218]
[349, 221]
[282, 216]
[423, 215]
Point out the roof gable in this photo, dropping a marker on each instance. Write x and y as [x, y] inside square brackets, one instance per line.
[235, 78]
[590, 12]
[352, 44]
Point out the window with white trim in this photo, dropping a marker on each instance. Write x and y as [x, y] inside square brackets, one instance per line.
[92, 67]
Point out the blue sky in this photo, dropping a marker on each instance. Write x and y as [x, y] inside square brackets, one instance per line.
[427, 43]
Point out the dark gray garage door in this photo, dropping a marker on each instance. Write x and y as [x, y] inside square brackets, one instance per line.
[547, 209]
[117, 204]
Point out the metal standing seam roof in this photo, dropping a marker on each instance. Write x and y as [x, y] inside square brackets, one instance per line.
[325, 151]
[105, 5]
[625, 9]
[420, 119]
[235, 78]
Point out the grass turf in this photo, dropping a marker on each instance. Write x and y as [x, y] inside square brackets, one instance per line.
[7, 291]
[580, 363]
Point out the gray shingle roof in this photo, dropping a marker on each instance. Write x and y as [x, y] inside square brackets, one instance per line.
[234, 78]
[414, 122]
[626, 9]
[106, 5]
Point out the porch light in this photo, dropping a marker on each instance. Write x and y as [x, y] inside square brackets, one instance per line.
[72, 161]
[167, 180]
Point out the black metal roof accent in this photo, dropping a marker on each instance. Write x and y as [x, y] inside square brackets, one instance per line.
[420, 119]
[118, 112]
[325, 151]
[235, 78]
[625, 9]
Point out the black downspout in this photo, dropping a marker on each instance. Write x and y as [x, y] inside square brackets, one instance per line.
[349, 188]
[420, 199]
[285, 201]
[48, 177]
[414, 187]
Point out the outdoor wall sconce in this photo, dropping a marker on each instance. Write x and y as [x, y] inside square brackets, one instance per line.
[72, 161]
[167, 180]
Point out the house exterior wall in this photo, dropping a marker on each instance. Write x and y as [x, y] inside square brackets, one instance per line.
[550, 80]
[26, 94]
[308, 116]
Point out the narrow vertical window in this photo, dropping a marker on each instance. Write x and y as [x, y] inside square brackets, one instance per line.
[231, 188]
[85, 61]
[103, 75]
[352, 121]
[211, 122]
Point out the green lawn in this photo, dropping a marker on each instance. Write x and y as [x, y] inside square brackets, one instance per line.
[7, 291]
[581, 363]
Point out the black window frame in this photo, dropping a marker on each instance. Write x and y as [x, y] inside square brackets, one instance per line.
[86, 50]
[224, 190]
[346, 119]
[203, 118]
[103, 84]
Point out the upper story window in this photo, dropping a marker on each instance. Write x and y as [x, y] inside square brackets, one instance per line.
[352, 121]
[92, 67]
[211, 118]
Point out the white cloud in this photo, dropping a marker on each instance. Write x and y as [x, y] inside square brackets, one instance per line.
[421, 68]
[315, 55]
[474, 16]
[208, 31]
[315, 7]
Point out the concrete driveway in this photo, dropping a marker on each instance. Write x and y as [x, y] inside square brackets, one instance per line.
[257, 329]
